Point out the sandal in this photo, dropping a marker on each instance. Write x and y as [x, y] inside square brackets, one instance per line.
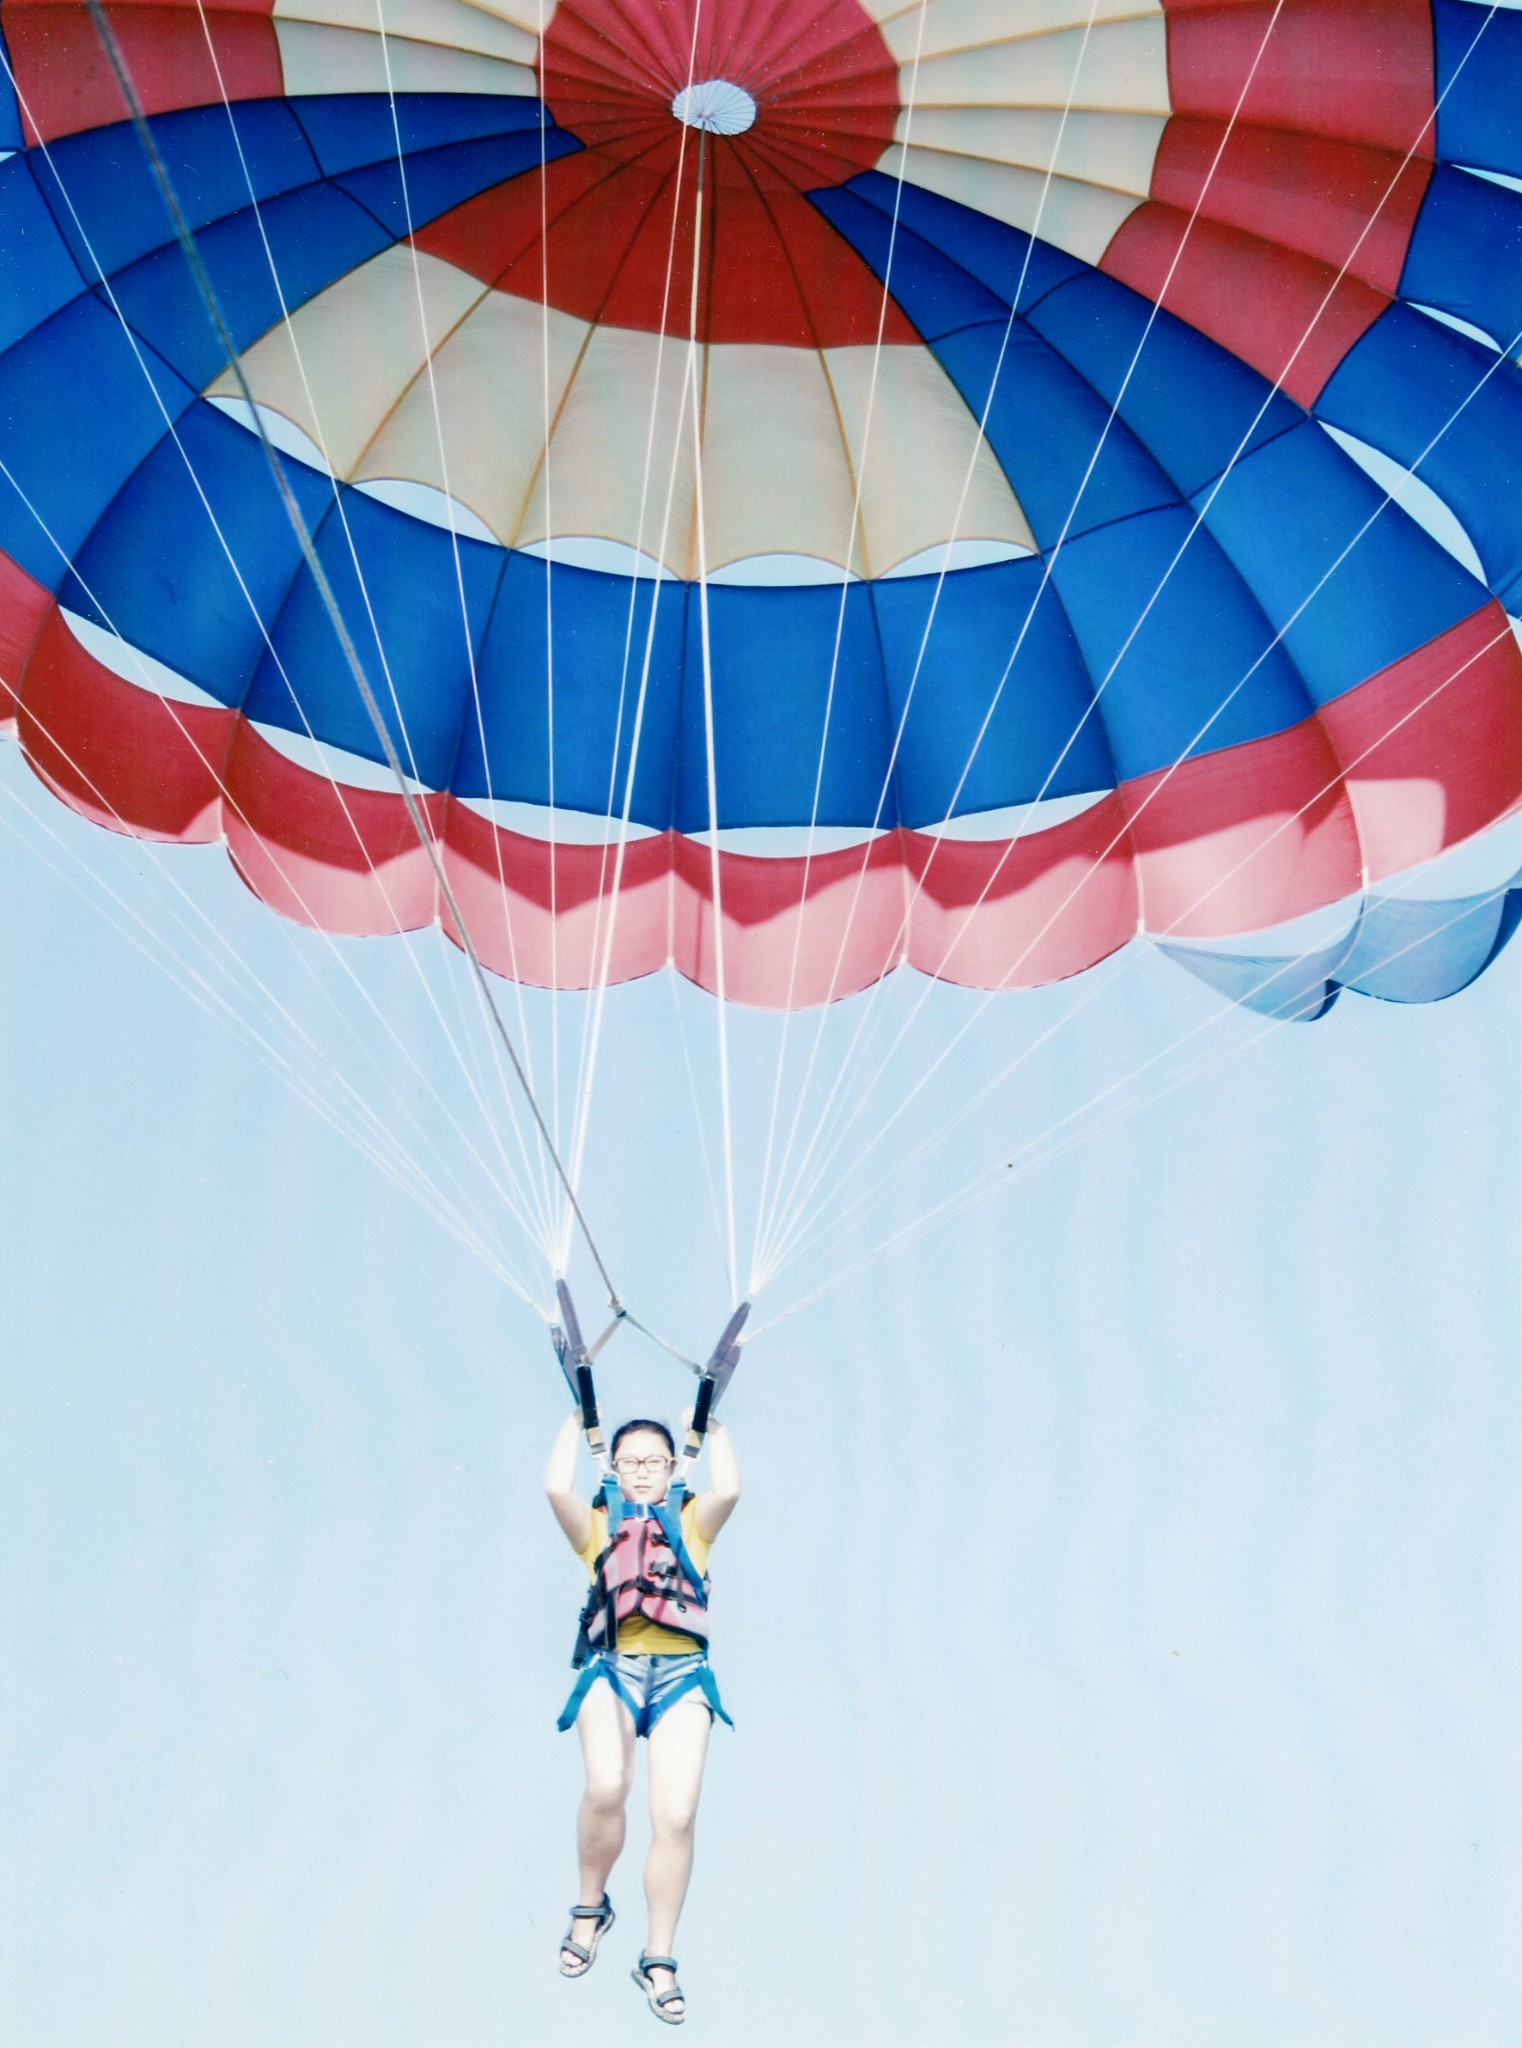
[602, 1916]
[659, 2000]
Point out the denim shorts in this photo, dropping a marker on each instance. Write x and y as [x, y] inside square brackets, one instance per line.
[648, 1686]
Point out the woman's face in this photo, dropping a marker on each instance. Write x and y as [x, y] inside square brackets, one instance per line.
[643, 1466]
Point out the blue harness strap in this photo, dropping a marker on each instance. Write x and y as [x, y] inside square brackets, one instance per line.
[671, 1529]
[699, 1679]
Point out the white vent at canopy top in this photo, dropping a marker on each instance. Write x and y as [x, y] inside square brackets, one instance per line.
[715, 104]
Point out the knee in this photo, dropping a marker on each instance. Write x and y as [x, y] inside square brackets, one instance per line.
[673, 1820]
[606, 1795]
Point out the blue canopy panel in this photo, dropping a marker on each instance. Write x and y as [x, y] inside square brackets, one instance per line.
[68, 372]
[414, 634]
[603, 684]
[1398, 948]
[1466, 254]
[11, 136]
[986, 677]
[198, 607]
[1479, 85]
[1207, 612]
[466, 695]
[1355, 583]
[773, 662]
[37, 273]
[1450, 410]
[106, 200]
[313, 236]
[79, 381]
[1422, 952]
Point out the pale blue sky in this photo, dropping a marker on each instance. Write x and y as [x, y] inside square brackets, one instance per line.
[1121, 1622]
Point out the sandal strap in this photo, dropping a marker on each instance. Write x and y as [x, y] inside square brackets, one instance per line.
[659, 1963]
[574, 1948]
[599, 1913]
[670, 1998]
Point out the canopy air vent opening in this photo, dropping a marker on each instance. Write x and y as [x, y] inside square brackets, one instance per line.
[715, 105]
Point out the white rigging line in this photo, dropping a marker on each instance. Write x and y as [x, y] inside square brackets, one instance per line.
[562, 1239]
[719, 1235]
[870, 1007]
[454, 542]
[228, 958]
[540, 1230]
[608, 896]
[715, 864]
[330, 605]
[369, 1136]
[1385, 500]
[286, 877]
[996, 1179]
[937, 1137]
[174, 436]
[764, 1198]
[1195, 526]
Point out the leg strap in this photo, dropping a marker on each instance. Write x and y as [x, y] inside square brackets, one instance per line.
[601, 1666]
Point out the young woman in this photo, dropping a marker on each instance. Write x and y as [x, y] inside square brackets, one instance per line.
[643, 1655]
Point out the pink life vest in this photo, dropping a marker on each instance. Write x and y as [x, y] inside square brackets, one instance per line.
[643, 1571]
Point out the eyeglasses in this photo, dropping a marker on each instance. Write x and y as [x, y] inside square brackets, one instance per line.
[629, 1468]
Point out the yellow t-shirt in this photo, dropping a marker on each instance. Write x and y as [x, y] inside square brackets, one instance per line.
[648, 1638]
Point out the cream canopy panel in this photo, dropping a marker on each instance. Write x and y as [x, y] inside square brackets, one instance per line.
[608, 475]
[787, 448]
[1114, 151]
[776, 475]
[452, 24]
[316, 58]
[492, 380]
[1082, 219]
[939, 25]
[1119, 65]
[345, 359]
[926, 474]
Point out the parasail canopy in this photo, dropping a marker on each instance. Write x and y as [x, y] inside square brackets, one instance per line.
[813, 487]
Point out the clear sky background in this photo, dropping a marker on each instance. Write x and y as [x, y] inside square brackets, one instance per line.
[1121, 1622]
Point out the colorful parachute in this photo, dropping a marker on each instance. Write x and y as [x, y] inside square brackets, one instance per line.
[975, 519]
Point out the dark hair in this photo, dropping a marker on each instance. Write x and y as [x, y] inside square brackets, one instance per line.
[640, 1422]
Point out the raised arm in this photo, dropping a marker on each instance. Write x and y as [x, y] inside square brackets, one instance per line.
[571, 1511]
[714, 1508]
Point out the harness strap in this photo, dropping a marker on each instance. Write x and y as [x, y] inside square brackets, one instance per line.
[671, 1529]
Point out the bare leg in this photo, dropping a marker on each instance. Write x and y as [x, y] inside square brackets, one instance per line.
[606, 1728]
[678, 1745]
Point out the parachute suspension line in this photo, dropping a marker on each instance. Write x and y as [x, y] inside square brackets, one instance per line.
[1048, 568]
[225, 948]
[698, 1122]
[428, 352]
[1504, 356]
[869, 1011]
[228, 961]
[377, 1146]
[766, 1197]
[710, 763]
[210, 766]
[608, 896]
[538, 1231]
[533, 1232]
[569, 1213]
[935, 1138]
[996, 1180]
[1219, 484]
[335, 616]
